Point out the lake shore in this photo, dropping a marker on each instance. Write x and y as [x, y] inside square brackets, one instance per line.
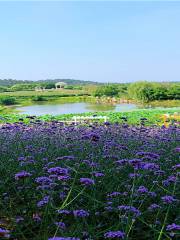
[27, 98]
[153, 116]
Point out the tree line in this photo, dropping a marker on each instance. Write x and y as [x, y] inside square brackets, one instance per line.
[141, 91]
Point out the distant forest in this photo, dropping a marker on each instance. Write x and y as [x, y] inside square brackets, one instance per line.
[11, 82]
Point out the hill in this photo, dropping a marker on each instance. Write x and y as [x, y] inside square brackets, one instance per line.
[11, 82]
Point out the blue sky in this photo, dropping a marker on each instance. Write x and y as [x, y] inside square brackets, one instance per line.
[106, 41]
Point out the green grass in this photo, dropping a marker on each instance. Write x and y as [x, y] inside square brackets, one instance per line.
[47, 93]
[27, 97]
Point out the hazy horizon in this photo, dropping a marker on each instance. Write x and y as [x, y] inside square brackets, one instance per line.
[92, 41]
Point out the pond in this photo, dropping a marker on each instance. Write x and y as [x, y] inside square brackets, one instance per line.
[78, 107]
[55, 108]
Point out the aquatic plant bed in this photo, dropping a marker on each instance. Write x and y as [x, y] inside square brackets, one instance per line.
[133, 117]
[95, 182]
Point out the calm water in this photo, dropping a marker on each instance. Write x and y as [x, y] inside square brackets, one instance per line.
[80, 107]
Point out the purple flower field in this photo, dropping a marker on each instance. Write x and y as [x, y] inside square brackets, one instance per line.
[89, 182]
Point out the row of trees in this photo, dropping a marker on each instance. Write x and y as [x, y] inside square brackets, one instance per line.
[141, 91]
[32, 86]
[11, 82]
[145, 91]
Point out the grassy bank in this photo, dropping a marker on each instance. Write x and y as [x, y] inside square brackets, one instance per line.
[46, 93]
[29, 97]
[133, 117]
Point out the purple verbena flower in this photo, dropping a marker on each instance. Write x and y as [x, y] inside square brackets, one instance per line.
[22, 175]
[109, 208]
[142, 190]
[19, 219]
[87, 181]
[150, 166]
[44, 201]
[177, 149]
[4, 233]
[173, 227]
[58, 170]
[122, 162]
[64, 211]
[98, 174]
[114, 194]
[64, 178]
[153, 207]
[134, 175]
[63, 238]
[61, 225]
[168, 199]
[114, 234]
[81, 213]
[148, 154]
[43, 180]
[177, 166]
[152, 194]
[131, 209]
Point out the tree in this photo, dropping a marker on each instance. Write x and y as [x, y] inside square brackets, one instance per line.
[23, 87]
[173, 91]
[108, 90]
[47, 85]
[142, 91]
[3, 89]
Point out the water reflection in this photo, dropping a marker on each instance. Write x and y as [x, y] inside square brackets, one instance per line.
[79, 107]
[100, 107]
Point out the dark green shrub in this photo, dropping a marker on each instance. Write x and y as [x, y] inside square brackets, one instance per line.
[173, 91]
[69, 87]
[39, 98]
[3, 89]
[148, 91]
[48, 85]
[108, 90]
[7, 100]
[141, 91]
[23, 87]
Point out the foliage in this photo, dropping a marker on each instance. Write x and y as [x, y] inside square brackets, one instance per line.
[7, 100]
[39, 98]
[142, 91]
[47, 85]
[3, 89]
[91, 89]
[123, 88]
[146, 91]
[76, 87]
[23, 87]
[108, 90]
[174, 91]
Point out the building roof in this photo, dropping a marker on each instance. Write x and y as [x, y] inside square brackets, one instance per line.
[61, 83]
